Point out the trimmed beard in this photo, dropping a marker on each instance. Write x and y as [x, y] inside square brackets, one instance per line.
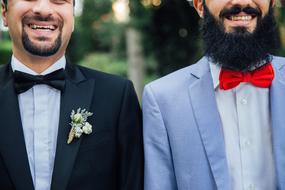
[239, 50]
[38, 50]
[43, 52]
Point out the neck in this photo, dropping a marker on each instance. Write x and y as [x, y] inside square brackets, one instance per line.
[37, 63]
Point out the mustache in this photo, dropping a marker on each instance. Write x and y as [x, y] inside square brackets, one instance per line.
[237, 9]
[30, 18]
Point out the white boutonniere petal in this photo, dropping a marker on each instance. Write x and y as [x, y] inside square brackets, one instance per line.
[79, 124]
[87, 128]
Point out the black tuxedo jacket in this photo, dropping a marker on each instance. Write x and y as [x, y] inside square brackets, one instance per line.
[110, 158]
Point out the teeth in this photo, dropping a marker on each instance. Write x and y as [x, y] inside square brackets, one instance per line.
[35, 27]
[241, 18]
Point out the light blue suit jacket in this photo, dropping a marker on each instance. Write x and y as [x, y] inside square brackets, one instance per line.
[183, 137]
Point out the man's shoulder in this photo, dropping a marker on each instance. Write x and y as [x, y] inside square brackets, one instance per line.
[102, 77]
[5, 72]
[278, 60]
[4, 68]
[179, 79]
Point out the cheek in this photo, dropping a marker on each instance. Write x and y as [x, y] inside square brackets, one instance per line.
[14, 23]
[215, 7]
[15, 13]
[67, 17]
[69, 26]
[265, 10]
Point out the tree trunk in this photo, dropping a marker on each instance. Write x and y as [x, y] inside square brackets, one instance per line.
[136, 60]
[282, 35]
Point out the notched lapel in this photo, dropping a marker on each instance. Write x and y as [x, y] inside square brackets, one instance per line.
[12, 143]
[209, 124]
[77, 94]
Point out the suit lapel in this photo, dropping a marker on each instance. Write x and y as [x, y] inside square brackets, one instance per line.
[208, 120]
[77, 94]
[277, 100]
[12, 143]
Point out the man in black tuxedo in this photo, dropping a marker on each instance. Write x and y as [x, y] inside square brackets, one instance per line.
[44, 145]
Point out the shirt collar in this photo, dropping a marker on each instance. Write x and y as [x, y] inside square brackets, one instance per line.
[215, 71]
[17, 65]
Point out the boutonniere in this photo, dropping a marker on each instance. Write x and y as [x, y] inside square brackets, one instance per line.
[79, 124]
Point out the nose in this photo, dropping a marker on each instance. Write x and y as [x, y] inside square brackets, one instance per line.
[43, 8]
[242, 3]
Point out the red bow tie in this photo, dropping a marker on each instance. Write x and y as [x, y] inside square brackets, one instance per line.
[261, 77]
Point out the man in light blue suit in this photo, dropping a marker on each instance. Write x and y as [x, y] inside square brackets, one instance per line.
[220, 123]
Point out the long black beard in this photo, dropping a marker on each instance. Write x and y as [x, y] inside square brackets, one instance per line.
[239, 50]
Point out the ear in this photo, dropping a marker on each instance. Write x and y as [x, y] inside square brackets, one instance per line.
[4, 13]
[198, 5]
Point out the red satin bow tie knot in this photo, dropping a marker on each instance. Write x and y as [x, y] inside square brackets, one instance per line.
[261, 77]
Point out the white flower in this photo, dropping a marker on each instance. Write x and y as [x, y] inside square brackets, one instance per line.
[77, 118]
[87, 128]
[79, 124]
[77, 131]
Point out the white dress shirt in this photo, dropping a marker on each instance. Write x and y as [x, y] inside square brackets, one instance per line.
[246, 122]
[39, 109]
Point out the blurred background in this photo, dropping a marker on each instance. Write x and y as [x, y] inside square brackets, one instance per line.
[139, 39]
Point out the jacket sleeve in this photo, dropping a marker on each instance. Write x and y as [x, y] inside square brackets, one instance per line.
[130, 141]
[159, 172]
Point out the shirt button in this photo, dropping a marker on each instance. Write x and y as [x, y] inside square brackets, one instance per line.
[243, 101]
[247, 143]
[251, 187]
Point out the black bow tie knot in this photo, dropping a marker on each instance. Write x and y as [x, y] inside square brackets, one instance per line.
[24, 81]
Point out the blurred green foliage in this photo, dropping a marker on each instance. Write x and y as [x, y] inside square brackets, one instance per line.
[96, 31]
[5, 51]
[105, 62]
[95, 13]
[173, 31]
[140, 15]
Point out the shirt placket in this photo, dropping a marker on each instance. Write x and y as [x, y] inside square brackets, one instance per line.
[41, 148]
[242, 102]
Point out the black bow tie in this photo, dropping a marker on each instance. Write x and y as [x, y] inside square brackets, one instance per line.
[24, 81]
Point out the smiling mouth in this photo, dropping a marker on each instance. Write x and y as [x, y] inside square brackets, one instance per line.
[241, 18]
[42, 27]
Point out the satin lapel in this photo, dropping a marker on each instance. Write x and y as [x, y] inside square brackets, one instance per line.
[208, 120]
[77, 94]
[12, 143]
[277, 100]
